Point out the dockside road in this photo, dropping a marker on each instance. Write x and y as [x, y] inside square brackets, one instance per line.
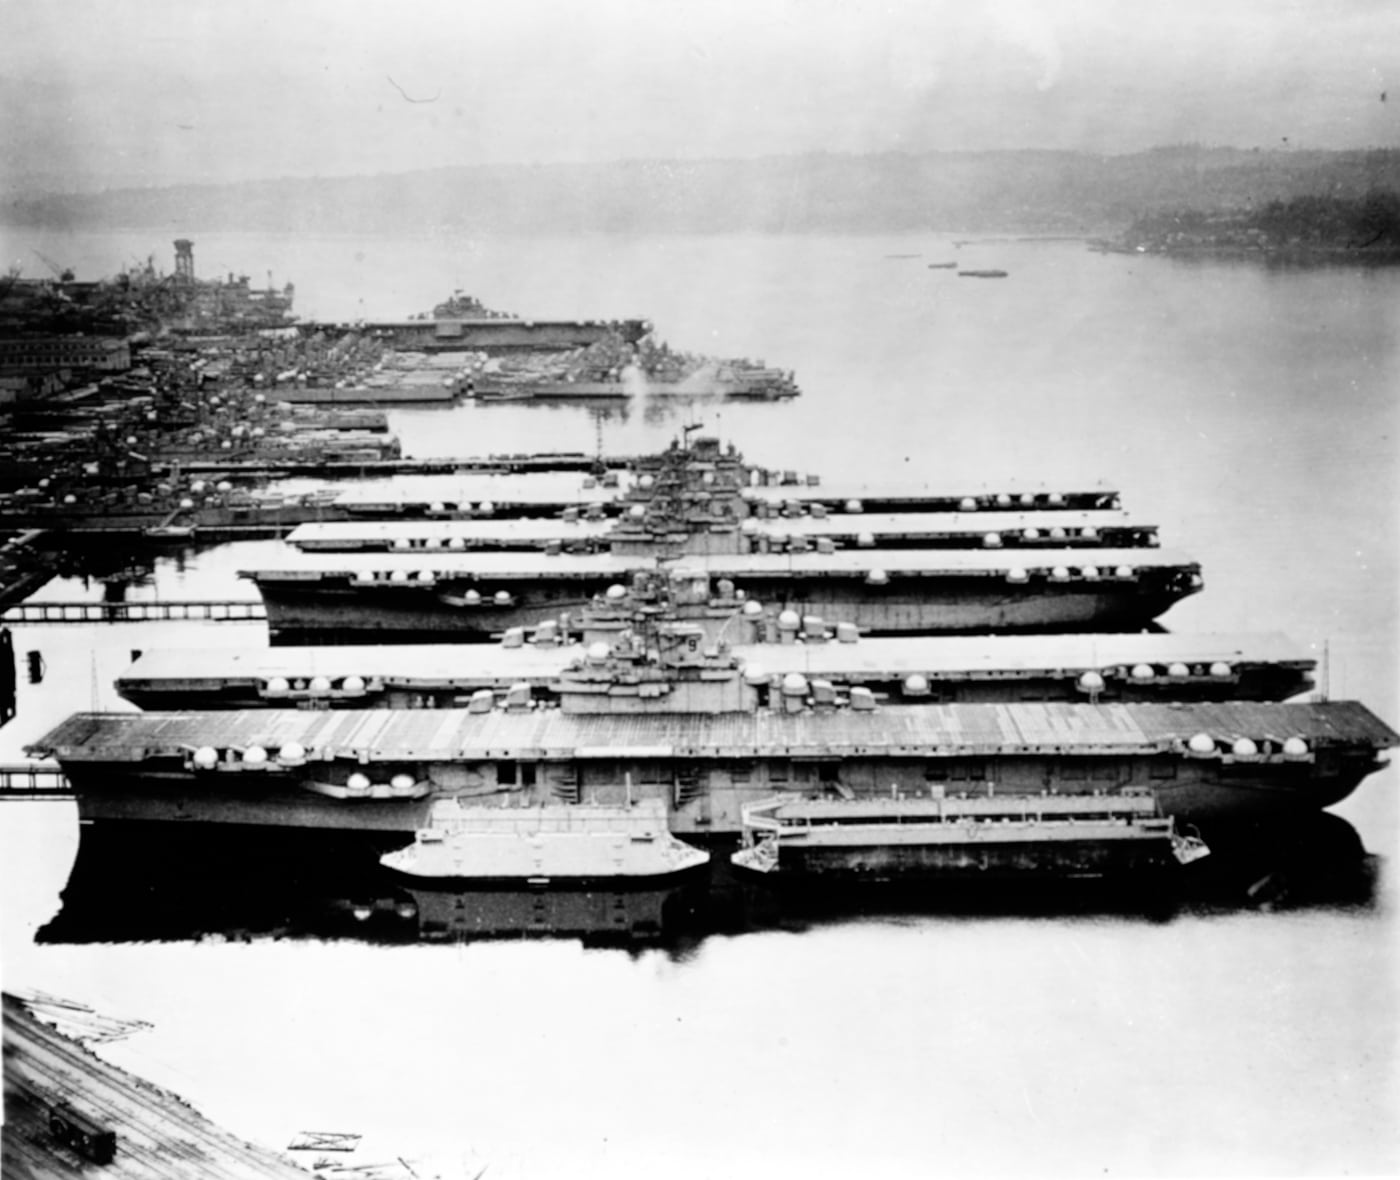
[157, 1134]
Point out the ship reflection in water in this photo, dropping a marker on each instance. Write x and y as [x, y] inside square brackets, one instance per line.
[203, 891]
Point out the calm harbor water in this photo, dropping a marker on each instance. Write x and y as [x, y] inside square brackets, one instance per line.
[1251, 413]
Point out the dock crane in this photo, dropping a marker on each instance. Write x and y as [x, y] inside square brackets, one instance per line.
[64, 274]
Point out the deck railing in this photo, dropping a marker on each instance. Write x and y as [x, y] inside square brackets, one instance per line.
[132, 612]
[33, 780]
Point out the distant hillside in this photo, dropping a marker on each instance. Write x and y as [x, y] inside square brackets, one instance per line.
[1356, 229]
[1033, 192]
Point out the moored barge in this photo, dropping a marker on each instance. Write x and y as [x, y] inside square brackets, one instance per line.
[884, 840]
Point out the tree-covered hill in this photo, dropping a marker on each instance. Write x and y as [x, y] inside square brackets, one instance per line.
[1027, 191]
[1360, 227]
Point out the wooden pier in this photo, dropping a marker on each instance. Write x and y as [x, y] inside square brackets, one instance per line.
[133, 612]
[360, 469]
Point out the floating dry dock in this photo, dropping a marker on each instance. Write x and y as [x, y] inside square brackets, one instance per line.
[380, 771]
[464, 597]
[1142, 667]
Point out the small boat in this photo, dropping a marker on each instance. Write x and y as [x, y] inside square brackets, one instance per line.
[504, 394]
[169, 532]
[982, 274]
[1188, 847]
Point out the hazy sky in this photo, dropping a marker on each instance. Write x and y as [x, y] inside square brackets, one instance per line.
[154, 91]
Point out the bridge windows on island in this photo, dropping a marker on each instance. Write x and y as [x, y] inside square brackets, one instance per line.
[515, 774]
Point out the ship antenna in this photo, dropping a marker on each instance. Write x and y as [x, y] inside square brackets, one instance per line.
[598, 466]
[719, 635]
[1326, 669]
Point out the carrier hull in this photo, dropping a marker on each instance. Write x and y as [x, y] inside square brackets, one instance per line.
[1124, 667]
[381, 770]
[326, 611]
[114, 798]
